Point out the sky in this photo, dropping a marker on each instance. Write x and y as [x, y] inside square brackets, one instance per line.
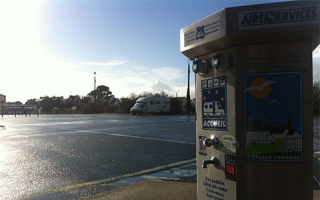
[53, 47]
[274, 102]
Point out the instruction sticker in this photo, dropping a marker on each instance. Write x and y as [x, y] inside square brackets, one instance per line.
[202, 147]
[273, 117]
[214, 107]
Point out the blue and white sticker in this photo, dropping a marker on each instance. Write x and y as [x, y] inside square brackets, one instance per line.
[214, 107]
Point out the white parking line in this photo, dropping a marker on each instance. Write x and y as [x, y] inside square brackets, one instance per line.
[157, 139]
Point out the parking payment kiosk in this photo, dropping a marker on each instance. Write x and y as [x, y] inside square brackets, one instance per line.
[254, 128]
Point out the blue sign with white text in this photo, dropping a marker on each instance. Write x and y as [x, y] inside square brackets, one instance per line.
[214, 107]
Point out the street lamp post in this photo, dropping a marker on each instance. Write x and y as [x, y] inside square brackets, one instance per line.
[94, 83]
[94, 91]
[188, 90]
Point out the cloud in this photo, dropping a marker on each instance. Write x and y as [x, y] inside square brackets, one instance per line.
[134, 80]
[138, 79]
[110, 63]
[167, 73]
[156, 85]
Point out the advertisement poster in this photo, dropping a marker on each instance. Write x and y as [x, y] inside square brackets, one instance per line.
[273, 117]
[214, 106]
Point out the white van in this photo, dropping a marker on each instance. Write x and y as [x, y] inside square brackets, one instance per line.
[151, 105]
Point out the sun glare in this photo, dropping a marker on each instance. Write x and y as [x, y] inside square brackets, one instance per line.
[23, 56]
[19, 40]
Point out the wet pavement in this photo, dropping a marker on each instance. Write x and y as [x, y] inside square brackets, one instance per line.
[185, 173]
[176, 182]
[69, 154]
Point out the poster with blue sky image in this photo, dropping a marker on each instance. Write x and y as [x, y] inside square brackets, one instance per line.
[273, 116]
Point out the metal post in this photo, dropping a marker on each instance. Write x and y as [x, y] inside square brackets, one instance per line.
[94, 100]
[188, 90]
[94, 75]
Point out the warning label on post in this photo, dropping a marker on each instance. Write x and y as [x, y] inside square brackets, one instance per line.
[214, 107]
[230, 167]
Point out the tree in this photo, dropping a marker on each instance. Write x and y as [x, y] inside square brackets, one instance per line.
[100, 98]
[161, 94]
[127, 103]
[145, 94]
[133, 96]
[46, 104]
[104, 93]
[32, 102]
[15, 103]
[101, 94]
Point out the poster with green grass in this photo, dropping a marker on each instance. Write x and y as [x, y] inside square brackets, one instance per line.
[273, 116]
